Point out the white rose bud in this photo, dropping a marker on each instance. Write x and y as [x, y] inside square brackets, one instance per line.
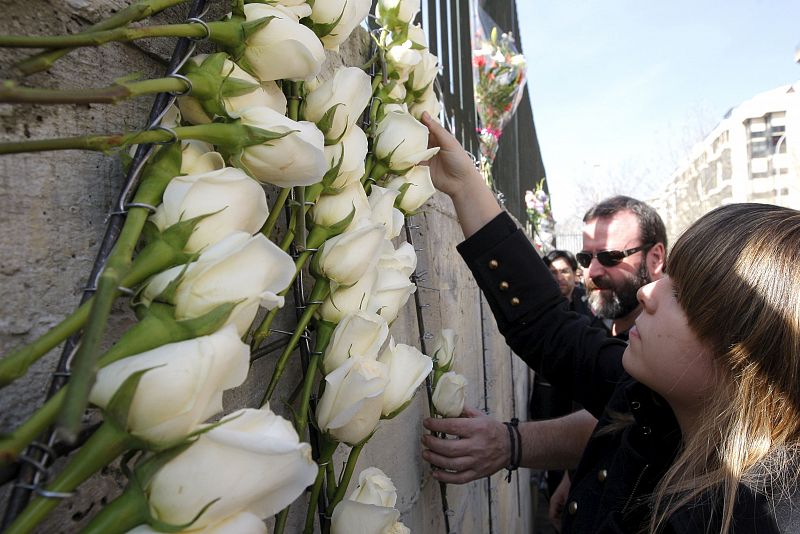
[392, 13]
[444, 347]
[381, 203]
[198, 157]
[183, 386]
[427, 103]
[402, 59]
[296, 159]
[374, 487]
[448, 397]
[263, 94]
[332, 209]
[408, 368]
[416, 188]
[237, 202]
[351, 150]
[241, 267]
[350, 407]
[403, 259]
[402, 141]
[253, 462]
[351, 517]
[349, 90]
[348, 13]
[346, 257]
[241, 523]
[424, 73]
[283, 48]
[397, 528]
[390, 293]
[344, 300]
[358, 335]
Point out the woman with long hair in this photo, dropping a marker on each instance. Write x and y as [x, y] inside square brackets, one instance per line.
[699, 415]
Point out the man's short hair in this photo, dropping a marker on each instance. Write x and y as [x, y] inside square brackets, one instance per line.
[566, 255]
[651, 227]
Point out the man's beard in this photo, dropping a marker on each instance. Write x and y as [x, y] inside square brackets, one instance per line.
[612, 303]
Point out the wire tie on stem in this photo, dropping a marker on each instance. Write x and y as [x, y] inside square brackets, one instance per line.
[201, 22]
[128, 292]
[169, 131]
[46, 449]
[184, 79]
[148, 207]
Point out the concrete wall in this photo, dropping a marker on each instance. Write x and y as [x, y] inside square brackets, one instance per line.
[53, 208]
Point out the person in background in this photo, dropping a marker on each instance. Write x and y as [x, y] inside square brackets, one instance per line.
[563, 266]
[699, 415]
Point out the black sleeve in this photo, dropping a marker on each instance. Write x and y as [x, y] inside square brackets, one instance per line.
[534, 318]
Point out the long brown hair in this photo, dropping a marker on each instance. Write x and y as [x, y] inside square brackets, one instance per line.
[736, 273]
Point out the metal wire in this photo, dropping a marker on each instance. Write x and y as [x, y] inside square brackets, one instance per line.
[39, 454]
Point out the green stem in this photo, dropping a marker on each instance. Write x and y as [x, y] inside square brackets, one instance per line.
[120, 515]
[135, 12]
[318, 293]
[221, 33]
[14, 443]
[275, 212]
[305, 399]
[107, 443]
[99, 143]
[11, 93]
[347, 474]
[312, 502]
[280, 521]
[84, 364]
[330, 484]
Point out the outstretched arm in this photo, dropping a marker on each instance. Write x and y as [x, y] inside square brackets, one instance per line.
[454, 174]
[482, 446]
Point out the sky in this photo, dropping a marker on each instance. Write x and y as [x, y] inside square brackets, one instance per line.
[621, 89]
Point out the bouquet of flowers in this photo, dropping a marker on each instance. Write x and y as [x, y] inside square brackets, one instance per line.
[540, 217]
[498, 71]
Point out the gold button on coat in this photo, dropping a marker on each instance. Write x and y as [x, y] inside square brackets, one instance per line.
[503, 286]
[572, 508]
[493, 265]
[602, 475]
[515, 301]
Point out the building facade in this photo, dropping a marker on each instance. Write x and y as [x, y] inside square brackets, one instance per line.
[752, 155]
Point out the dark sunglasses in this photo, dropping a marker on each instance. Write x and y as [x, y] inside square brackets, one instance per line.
[608, 258]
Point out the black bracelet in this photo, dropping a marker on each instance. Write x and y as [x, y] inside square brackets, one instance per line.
[515, 439]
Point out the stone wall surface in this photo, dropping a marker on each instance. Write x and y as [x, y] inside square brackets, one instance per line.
[53, 208]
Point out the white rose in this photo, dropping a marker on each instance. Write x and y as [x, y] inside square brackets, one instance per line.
[198, 157]
[237, 202]
[332, 209]
[403, 259]
[424, 72]
[428, 102]
[402, 59]
[346, 257]
[241, 523]
[390, 293]
[263, 94]
[392, 13]
[449, 394]
[358, 335]
[444, 346]
[381, 203]
[374, 487]
[419, 188]
[344, 300]
[402, 141]
[183, 386]
[296, 159]
[253, 462]
[350, 90]
[351, 517]
[394, 93]
[241, 267]
[351, 151]
[283, 48]
[350, 407]
[408, 368]
[348, 13]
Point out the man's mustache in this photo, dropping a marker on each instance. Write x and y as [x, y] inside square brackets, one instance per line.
[599, 282]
